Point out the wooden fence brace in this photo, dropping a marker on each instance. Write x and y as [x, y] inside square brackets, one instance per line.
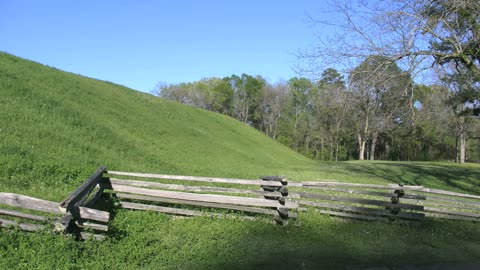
[283, 214]
[395, 199]
[72, 204]
[79, 196]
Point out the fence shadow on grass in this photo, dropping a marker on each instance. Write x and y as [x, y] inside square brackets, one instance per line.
[321, 242]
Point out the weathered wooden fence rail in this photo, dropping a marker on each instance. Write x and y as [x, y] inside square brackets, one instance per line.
[376, 202]
[48, 213]
[269, 196]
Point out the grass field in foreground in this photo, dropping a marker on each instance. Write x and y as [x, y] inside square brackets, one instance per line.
[57, 127]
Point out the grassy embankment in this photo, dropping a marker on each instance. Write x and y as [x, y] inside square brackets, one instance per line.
[57, 127]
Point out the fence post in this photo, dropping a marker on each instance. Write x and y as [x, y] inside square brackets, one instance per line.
[279, 193]
[395, 199]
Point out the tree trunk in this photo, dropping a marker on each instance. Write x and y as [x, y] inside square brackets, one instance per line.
[387, 151]
[361, 144]
[456, 150]
[321, 148]
[245, 117]
[462, 148]
[374, 144]
[336, 151]
[462, 139]
[362, 140]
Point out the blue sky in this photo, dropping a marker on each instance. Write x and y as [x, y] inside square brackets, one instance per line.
[141, 43]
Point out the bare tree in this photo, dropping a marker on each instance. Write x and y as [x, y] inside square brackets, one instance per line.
[274, 101]
[415, 34]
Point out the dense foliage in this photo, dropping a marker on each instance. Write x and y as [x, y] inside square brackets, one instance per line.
[436, 41]
[377, 113]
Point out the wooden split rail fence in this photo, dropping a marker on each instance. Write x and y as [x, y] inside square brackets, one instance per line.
[76, 214]
[393, 202]
[73, 215]
[268, 196]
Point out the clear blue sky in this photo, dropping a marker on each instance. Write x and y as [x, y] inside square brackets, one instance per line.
[141, 43]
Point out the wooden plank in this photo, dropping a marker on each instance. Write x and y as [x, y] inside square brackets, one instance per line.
[203, 197]
[31, 203]
[176, 211]
[22, 215]
[372, 186]
[24, 226]
[366, 192]
[92, 236]
[204, 204]
[366, 210]
[449, 193]
[91, 225]
[361, 201]
[449, 199]
[454, 200]
[450, 212]
[199, 179]
[28, 202]
[137, 183]
[162, 209]
[282, 179]
[453, 217]
[81, 193]
[295, 184]
[93, 214]
[450, 205]
[354, 216]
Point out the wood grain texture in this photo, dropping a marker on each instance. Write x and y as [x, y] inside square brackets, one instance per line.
[366, 210]
[202, 197]
[354, 216]
[177, 211]
[28, 202]
[94, 214]
[372, 186]
[451, 212]
[91, 225]
[81, 193]
[366, 192]
[454, 200]
[18, 214]
[449, 193]
[198, 178]
[137, 183]
[203, 204]
[362, 201]
[452, 217]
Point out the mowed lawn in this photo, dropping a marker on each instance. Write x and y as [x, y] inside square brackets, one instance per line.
[56, 128]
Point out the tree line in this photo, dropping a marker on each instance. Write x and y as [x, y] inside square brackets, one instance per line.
[376, 112]
[372, 109]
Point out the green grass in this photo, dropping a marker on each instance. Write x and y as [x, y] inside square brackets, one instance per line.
[57, 127]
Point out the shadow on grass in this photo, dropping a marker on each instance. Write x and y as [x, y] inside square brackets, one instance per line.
[447, 176]
[329, 243]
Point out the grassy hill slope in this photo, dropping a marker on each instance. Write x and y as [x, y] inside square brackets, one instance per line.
[57, 127]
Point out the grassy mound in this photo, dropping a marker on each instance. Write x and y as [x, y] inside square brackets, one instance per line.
[57, 127]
